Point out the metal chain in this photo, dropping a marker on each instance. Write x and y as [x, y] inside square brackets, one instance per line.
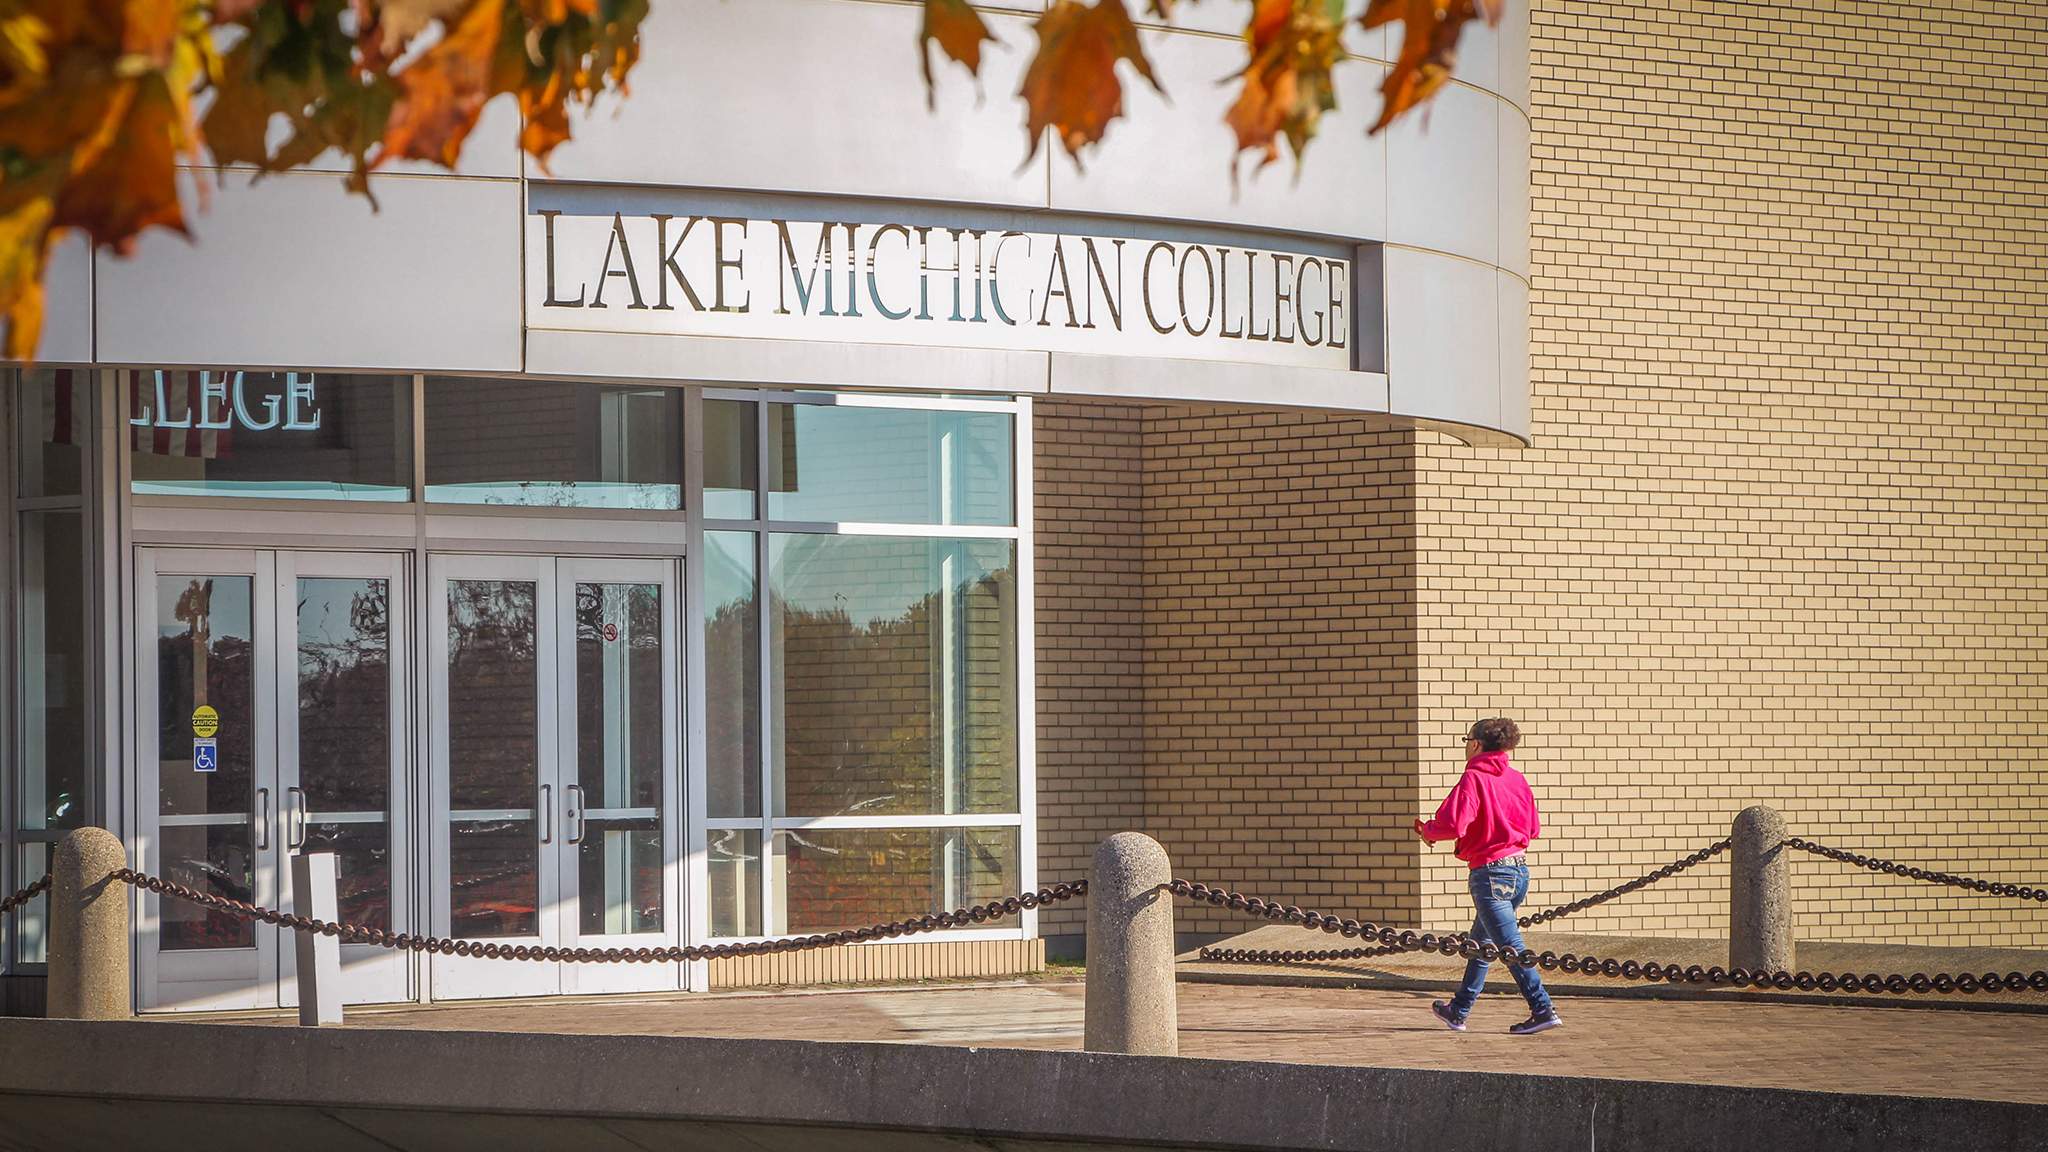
[1915, 872]
[931, 922]
[1640, 882]
[1249, 956]
[1462, 944]
[1253, 956]
[25, 895]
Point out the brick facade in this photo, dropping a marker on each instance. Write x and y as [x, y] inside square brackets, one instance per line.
[1780, 537]
[1226, 649]
[1783, 535]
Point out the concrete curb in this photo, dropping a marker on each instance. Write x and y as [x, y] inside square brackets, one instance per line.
[92, 1085]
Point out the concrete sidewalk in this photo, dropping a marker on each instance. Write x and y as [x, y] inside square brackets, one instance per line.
[1432, 972]
[1316, 1069]
[1727, 1042]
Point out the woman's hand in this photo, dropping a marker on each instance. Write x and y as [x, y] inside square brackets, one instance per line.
[1421, 833]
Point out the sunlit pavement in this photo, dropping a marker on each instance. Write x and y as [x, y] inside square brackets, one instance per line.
[1895, 1050]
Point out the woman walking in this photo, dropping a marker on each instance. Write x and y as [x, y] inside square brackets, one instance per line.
[1491, 815]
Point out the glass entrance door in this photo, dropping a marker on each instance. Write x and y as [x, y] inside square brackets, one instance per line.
[342, 749]
[618, 687]
[270, 705]
[553, 698]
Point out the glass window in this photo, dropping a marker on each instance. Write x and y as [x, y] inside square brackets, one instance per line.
[493, 757]
[730, 454]
[893, 675]
[32, 920]
[831, 464]
[732, 676]
[290, 435]
[735, 870]
[539, 443]
[847, 878]
[54, 431]
[53, 670]
[205, 652]
[619, 770]
[344, 730]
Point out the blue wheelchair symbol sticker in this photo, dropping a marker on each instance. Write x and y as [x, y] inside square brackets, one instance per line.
[205, 755]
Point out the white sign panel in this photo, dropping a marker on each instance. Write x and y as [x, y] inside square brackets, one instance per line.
[951, 287]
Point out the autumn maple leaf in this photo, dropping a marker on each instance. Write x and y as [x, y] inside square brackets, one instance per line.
[1072, 85]
[1294, 46]
[1429, 46]
[959, 32]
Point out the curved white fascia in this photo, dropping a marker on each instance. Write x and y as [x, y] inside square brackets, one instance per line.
[827, 106]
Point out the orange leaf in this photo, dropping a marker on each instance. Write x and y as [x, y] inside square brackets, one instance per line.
[958, 30]
[149, 28]
[25, 240]
[1072, 86]
[77, 108]
[1429, 46]
[1294, 46]
[546, 114]
[398, 21]
[445, 89]
[132, 184]
[238, 122]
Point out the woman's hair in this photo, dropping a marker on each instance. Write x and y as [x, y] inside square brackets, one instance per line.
[1495, 734]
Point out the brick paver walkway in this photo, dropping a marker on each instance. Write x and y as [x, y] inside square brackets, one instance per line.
[1906, 1051]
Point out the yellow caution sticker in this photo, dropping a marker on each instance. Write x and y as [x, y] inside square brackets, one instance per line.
[205, 721]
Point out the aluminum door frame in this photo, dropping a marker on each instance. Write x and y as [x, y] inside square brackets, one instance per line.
[208, 979]
[451, 977]
[597, 978]
[369, 974]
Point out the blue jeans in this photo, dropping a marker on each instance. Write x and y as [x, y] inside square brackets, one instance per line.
[1498, 890]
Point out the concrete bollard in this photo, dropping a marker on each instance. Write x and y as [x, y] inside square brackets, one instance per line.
[1760, 893]
[89, 929]
[1130, 991]
[319, 957]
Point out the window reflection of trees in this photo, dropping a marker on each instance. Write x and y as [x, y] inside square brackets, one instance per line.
[345, 734]
[210, 663]
[492, 755]
[864, 729]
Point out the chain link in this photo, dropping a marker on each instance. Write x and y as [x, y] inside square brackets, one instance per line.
[1637, 884]
[1385, 940]
[1461, 944]
[1915, 872]
[355, 933]
[25, 895]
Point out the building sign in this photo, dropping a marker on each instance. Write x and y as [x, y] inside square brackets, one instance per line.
[950, 287]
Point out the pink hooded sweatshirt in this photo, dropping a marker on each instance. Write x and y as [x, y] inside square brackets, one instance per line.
[1491, 813]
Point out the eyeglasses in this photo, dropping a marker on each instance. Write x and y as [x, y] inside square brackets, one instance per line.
[1466, 739]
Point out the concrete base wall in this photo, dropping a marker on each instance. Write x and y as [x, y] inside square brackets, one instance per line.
[68, 1085]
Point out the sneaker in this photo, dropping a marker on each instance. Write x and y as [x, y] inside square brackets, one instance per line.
[1535, 1024]
[1442, 1010]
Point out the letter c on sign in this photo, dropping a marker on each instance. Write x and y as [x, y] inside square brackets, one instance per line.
[1145, 285]
[1209, 270]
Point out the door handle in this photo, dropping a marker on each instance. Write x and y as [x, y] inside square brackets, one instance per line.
[263, 819]
[547, 813]
[573, 796]
[295, 836]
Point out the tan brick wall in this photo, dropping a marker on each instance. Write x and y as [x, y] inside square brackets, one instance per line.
[1225, 650]
[1280, 657]
[1783, 536]
[1090, 656]
[881, 963]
